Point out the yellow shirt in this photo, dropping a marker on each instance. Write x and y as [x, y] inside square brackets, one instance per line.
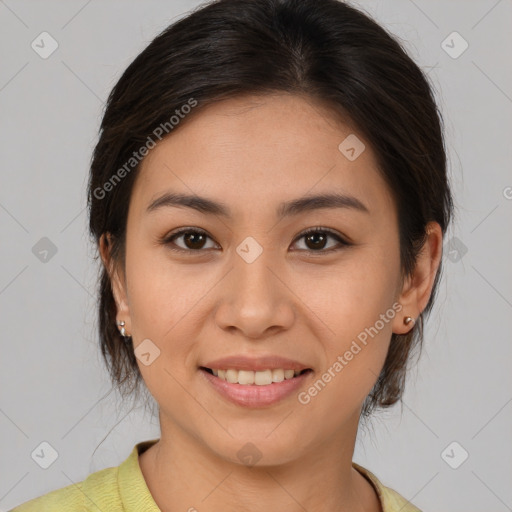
[123, 488]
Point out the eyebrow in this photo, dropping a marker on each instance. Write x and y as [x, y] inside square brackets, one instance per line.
[285, 209]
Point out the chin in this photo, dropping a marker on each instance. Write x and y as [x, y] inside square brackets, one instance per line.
[255, 447]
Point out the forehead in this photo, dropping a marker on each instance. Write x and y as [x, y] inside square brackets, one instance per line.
[258, 151]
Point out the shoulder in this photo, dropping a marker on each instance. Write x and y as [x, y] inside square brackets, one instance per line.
[391, 501]
[99, 489]
[67, 498]
[115, 489]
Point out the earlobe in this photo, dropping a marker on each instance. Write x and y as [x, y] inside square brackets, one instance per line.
[403, 324]
[417, 288]
[408, 320]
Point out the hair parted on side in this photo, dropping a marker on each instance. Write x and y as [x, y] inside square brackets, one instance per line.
[324, 50]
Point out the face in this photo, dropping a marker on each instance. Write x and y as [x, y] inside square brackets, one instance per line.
[250, 279]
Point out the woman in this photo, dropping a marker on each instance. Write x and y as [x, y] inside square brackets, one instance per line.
[269, 197]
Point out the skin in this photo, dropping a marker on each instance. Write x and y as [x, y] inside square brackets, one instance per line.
[252, 153]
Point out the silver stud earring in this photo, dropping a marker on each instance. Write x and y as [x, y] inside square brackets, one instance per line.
[408, 320]
[122, 330]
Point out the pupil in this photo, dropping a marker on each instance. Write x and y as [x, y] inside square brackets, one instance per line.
[314, 237]
[192, 237]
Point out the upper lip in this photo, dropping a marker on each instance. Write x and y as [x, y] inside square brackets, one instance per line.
[266, 362]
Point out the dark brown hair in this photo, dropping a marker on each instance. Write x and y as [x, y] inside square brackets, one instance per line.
[324, 50]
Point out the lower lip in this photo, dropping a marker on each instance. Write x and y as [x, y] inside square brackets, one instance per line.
[251, 395]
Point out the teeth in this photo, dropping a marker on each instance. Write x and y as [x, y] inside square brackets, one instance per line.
[263, 378]
[260, 378]
[232, 376]
[277, 375]
[244, 376]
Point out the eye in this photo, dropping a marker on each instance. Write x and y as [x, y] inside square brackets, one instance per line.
[316, 238]
[193, 240]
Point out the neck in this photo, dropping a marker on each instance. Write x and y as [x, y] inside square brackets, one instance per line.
[184, 474]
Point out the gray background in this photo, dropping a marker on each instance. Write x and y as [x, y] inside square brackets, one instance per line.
[52, 383]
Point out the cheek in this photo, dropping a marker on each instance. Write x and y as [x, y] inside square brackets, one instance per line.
[353, 356]
[353, 295]
[359, 313]
[162, 302]
[161, 293]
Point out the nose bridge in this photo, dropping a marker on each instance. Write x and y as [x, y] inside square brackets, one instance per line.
[254, 299]
[253, 263]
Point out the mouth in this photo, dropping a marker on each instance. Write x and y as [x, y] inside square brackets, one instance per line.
[255, 389]
[257, 378]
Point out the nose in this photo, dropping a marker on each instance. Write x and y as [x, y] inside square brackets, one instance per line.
[254, 298]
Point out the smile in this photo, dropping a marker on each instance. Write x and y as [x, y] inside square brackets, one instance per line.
[255, 388]
[259, 378]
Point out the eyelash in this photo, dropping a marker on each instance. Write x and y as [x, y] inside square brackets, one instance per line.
[168, 240]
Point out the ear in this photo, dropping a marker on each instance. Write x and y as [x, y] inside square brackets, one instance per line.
[416, 290]
[117, 280]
